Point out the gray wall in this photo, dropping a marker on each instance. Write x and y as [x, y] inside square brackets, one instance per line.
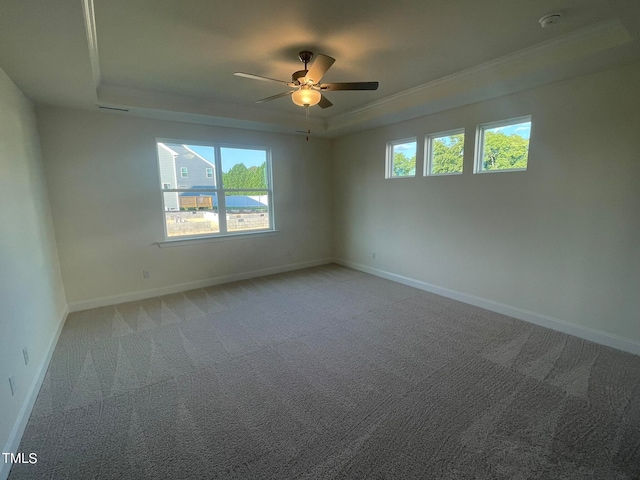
[561, 240]
[32, 305]
[196, 172]
[108, 214]
[167, 173]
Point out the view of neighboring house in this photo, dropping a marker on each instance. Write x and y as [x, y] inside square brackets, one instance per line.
[183, 168]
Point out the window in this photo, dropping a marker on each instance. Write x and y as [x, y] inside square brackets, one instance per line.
[503, 146]
[184, 172]
[401, 158]
[444, 153]
[232, 194]
[166, 185]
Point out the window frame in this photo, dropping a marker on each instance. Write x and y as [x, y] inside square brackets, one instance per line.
[184, 172]
[217, 190]
[389, 158]
[208, 170]
[428, 151]
[479, 147]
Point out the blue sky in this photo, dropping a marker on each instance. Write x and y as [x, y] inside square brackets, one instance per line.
[205, 152]
[522, 129]
[408, 149]
[231, 156]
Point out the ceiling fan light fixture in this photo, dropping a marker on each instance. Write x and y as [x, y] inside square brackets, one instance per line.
[306, 83]
[306, 96]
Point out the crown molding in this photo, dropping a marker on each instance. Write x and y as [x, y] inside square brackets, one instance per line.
[92, 40]
[571, 46]
[164, 106]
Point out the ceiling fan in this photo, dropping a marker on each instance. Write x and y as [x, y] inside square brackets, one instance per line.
[307, 89]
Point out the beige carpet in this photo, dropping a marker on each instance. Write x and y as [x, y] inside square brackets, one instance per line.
[328, 373]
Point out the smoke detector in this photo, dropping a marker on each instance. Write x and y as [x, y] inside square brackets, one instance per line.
[550, 20]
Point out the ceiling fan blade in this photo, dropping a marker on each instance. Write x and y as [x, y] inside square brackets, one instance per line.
[260, 77]
[349, 86]
[318, 68]
[283, 94]
[324, 102]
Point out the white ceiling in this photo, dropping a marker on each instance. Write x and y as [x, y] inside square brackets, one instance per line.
[176, 58]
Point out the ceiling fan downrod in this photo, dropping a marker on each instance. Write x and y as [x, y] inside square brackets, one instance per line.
[305, 56]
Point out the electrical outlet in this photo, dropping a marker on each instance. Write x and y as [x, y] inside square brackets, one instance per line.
[25, 352]
[12, 385]
[146, 275]
[373, 255]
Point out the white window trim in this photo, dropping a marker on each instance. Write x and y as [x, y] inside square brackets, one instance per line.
[389, 157]
[184, 172]
[219, 190]
[478, 154]
[235, 236]
[428, 151]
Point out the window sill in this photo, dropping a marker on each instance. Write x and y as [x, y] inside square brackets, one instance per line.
[448, 174]
[184, 242]
[503, 170]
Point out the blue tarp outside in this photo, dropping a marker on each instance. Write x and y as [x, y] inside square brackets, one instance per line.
[232, 201]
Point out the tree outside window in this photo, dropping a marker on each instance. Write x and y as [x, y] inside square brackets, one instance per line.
[504, 146]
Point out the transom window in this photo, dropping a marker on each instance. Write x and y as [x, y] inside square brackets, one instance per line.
[228, 192]
[444, 153]
[401, 158]
[503, 146]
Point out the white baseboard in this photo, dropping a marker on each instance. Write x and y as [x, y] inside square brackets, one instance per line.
[25, 412]
[579, 331]
[181, 287]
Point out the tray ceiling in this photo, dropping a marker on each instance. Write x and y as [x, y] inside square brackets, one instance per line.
[175, 58]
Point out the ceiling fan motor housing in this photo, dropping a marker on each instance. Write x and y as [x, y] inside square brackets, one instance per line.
[305, 56]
